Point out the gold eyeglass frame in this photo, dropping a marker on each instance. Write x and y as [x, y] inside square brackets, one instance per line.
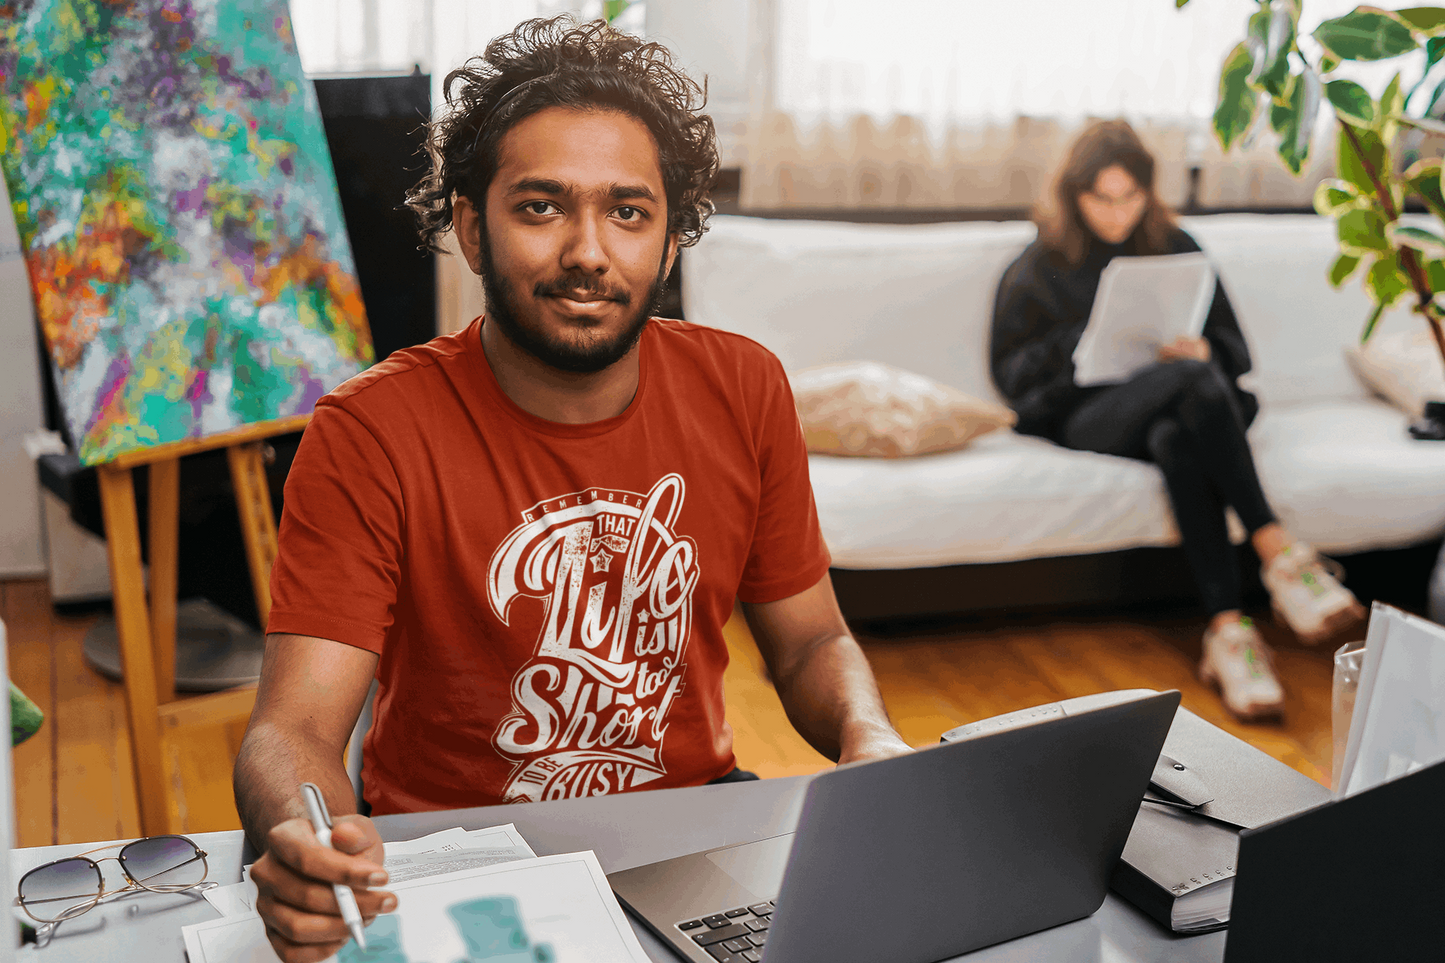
[47, 926]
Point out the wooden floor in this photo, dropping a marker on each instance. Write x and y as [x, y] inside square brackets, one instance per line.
[74, 782]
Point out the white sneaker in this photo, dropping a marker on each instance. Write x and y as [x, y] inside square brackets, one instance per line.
[1308, 595]
[1238, 662]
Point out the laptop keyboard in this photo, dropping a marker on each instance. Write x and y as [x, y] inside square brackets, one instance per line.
[732, 936]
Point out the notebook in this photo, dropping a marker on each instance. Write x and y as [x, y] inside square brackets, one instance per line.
[1179, 863]
[1142, 303]
[1000, 833]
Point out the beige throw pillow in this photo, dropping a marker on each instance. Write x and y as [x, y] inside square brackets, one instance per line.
[1403, 367]
[869, 409]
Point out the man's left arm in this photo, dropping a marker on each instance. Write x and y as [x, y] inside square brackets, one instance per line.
[822, 676]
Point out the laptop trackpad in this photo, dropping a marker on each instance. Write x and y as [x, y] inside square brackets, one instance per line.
[756, 866]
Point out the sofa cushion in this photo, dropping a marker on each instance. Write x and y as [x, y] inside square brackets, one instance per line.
[1403, 367]
[1005, 497]
[915, 296]
[1275, 269]
[1343, 475]
[1348, 477]
[875, 410]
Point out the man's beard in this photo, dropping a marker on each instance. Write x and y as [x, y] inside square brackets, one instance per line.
[587, 355]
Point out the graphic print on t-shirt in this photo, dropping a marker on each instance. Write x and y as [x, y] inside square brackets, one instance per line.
[589, 711]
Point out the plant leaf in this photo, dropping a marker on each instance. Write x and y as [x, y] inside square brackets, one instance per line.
[1424, 20]
[1256, 41]
[1290, 120]
[1236, 107]
[1328, 62]
[1423, 123]
[1333, 198]
[1179, 4]
[1348, 164]
[1365, 34]
[1370, 323]
[1426, 242]
[1362, 231]
[1351, 102]
[1424, 179]
[1279, 41]
[1309, 110]
[1434, 49]
[1391, 101]
[1435, 271]
[1435, 98]
[1386, 283]
[1343, 267]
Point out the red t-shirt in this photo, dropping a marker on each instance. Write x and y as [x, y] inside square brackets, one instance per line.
[547, 599]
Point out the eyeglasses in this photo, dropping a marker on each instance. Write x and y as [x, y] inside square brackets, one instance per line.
[66, 888]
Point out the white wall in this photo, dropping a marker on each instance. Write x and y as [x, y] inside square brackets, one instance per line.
[21, 553]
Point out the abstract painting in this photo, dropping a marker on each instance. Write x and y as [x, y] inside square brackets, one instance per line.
[175, 199]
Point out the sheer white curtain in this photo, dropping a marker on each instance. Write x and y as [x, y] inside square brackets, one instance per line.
[971, 103]
[357, 36]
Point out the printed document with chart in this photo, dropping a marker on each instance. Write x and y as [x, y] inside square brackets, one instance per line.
[462, 898]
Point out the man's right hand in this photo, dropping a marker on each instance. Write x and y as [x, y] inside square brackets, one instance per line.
[293, 884]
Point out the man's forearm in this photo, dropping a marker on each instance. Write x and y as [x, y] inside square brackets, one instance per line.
[271, 766]
[832, 699]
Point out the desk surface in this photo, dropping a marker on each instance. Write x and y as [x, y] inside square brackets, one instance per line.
[625, 831]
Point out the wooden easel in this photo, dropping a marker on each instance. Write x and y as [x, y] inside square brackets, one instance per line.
[148, 633]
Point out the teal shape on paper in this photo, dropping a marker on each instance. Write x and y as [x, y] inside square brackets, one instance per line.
[493, 931]
[383, 944]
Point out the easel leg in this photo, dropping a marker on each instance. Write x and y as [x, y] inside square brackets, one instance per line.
[122, 530]
[258, 521]
[165, 486]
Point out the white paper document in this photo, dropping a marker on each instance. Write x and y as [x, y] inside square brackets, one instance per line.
[540, 910]
[1398, 724]
[1142, 304]
[237, 899]
[454, 850]
[448, 851]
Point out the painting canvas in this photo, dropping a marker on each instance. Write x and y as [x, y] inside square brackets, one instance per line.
[171, 184]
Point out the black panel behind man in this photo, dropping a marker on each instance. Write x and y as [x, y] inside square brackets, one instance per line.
[374, 128]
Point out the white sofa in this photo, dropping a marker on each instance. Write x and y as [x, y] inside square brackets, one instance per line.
[1336, 462]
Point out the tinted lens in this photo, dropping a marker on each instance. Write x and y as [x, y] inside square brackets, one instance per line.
[56, 891]
[164, 863]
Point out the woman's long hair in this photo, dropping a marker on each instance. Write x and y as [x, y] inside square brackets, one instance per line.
[1104, 144]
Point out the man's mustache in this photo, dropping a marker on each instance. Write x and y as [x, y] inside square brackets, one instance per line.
[580, 287]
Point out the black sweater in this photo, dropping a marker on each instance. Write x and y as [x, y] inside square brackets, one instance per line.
[1039, 314]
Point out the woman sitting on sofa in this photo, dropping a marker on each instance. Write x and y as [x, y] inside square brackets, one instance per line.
[1186, 413]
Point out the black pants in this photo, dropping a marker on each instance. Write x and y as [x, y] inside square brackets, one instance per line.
[1184, 417]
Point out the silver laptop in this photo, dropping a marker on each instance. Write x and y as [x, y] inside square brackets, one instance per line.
[1004, 831]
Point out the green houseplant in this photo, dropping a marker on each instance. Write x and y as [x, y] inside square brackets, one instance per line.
[1268, 80]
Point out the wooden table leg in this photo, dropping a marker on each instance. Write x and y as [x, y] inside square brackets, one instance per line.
[132, 622]
[258, 521]
[165, 508]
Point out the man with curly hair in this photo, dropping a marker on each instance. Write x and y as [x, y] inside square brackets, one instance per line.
[532, 532]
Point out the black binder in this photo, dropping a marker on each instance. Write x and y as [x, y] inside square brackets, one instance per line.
[1359, 878]
[1179, 863]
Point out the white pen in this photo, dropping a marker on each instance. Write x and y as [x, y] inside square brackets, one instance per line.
[321, 822]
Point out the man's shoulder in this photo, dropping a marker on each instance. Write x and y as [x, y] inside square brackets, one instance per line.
[406, 370]
[674, 336]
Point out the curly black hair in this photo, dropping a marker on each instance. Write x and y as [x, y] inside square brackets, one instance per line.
[558, 63]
